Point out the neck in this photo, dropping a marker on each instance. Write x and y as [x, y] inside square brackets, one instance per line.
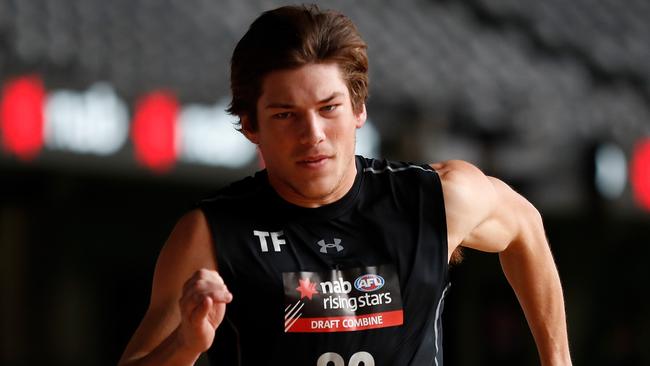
[301, 196]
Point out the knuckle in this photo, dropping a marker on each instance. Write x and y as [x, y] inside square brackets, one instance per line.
[203, 273]
[218, 280]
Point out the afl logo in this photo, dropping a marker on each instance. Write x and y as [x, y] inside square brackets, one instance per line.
[369, 282]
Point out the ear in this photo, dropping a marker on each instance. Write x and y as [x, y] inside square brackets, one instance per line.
[248, 131]
[361, 116]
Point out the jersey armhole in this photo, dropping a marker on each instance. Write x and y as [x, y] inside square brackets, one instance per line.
[442, 218]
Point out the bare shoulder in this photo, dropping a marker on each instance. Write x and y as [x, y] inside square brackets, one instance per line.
[188, 249]
[464, 184]
[457, 170]
[482, 212]
[190, 237]
[469, 195]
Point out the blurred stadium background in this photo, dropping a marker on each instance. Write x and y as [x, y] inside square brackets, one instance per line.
[112, 125]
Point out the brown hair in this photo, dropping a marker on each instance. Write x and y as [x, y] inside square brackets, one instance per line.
[290, 37]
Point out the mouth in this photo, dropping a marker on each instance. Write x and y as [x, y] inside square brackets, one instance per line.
[315, 161]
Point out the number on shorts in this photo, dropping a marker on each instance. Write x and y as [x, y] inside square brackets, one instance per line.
[357, 359]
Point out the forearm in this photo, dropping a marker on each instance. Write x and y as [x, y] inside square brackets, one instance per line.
[170, 352]
[530, 269]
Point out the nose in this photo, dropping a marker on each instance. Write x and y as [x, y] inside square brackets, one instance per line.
[312, 129]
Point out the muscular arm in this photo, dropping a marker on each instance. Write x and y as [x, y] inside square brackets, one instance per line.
[484, 213]
[187, 300]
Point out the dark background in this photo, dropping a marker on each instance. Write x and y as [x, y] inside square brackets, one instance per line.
[526, 90]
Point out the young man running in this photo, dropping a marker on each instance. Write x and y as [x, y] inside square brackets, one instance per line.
[327, 258]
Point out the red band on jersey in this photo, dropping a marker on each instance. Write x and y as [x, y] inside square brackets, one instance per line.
[348, 323]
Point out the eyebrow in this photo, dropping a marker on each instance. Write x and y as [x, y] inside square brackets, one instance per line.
[288, 106]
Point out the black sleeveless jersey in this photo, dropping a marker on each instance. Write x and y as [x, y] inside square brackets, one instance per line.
[360, 281]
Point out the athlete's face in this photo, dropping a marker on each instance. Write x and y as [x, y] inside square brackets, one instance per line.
[306, 133]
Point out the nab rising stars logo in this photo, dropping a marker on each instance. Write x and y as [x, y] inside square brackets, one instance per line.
[325, 246]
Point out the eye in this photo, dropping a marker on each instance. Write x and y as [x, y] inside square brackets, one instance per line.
[329, 108]
[283, 115]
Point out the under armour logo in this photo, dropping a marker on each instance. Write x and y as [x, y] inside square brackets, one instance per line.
[325, 246]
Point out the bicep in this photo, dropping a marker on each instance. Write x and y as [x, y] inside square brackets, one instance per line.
[188, 249]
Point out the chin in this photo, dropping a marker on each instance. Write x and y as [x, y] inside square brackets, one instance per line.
[316, 188]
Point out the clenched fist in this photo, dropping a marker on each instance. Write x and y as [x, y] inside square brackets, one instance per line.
[203, 305]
